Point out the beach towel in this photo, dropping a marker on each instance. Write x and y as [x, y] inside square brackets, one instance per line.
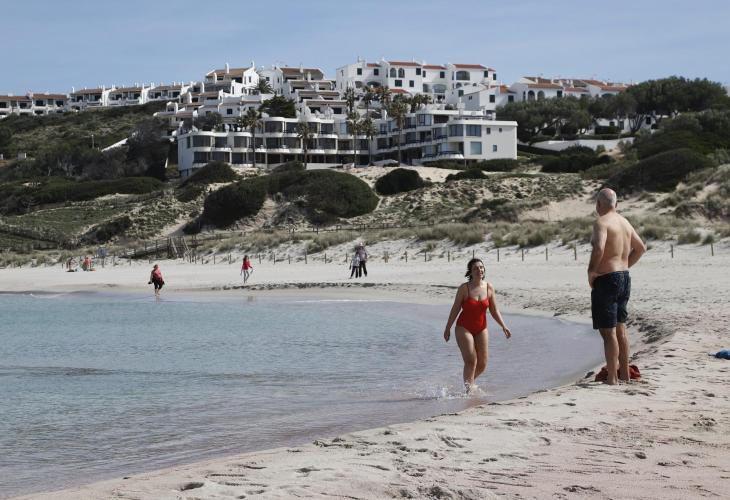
[724, 354]
[634, 374]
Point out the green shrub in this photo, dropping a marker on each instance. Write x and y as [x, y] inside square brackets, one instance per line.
[472, 173]
[106, 231]
[603, 171]
[497, 165]
[399, 180]
[213, 172]
[446, 164]
[290, 166]
[689, 236]
[574, 160]
[661, 172]
[190, 192]
[192, 227]
[228, 204]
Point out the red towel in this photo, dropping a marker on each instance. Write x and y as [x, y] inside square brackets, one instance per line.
[634, 374]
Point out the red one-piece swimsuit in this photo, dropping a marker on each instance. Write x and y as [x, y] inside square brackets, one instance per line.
[473, 315]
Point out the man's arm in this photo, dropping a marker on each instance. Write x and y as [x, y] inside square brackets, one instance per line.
[637, 248]
[598, 240]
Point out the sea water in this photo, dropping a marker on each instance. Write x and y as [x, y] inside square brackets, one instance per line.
[94, 386]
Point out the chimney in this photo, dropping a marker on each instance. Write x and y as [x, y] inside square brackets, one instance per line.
[228, 69]
[301, 68]
[253, 64]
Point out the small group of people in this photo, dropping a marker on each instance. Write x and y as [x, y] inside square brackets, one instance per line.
[616, 248]
[358, 263]
[72, 265]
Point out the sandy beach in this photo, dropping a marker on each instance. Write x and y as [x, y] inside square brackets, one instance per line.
[666, 436]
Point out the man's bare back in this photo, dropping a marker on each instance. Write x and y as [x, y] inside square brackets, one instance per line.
[616, 247]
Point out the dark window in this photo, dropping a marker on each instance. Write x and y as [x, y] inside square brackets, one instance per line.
[200, 157]
[424, 73]
[560, 93]
[229, 111]
[393, 73]
[494, 76]
[461, 92]
[462, 75]
[376, 71]
[221, 142]
[442, 74]
[418, 71]
[40, 103]
[411, 83]
[486, 74]
[492, 98]
[399, 83]
[510, 98]
[474, 130]
[359, 71]
[401, 73]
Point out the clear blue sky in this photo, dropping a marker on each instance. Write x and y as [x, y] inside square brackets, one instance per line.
[52, 46]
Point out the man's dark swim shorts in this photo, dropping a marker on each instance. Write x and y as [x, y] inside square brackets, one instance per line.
[609, 299]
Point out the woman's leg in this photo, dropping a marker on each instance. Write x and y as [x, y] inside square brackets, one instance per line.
[481, 345]
[465, 341]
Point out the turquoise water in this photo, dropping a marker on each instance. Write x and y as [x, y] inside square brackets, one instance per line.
[94, 386]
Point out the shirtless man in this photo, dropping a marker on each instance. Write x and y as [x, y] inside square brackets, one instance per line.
[616, 247]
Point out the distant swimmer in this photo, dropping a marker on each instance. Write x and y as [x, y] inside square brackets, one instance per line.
[246, 269]
[473, 299]
[616, 247]
[156, 279]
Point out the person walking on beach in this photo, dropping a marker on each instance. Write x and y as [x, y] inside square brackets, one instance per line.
[363, 255]
[246, 269]
[156, 279]
[355, 266]
[473, 299]
[616, 247]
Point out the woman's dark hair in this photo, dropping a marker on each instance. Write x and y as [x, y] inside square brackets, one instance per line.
[469, 266]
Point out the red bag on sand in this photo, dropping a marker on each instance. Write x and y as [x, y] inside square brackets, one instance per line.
[634, 374]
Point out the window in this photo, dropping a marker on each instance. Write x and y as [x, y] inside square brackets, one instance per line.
[376, 71]
[462, 75]
[456, 130]
[494, 76]
[560, 93]
[486, 74]
[411, 83]
[424, 73]
[442, 74]
[494, 148]
[40, 102]
[221, 142]
[475, 148]
[510, 98]
[424, 120]
[200, 157]
[359, 71]
[327, 128]
[401, 73]
[229, 111]
[393, 74]
[399, 83]
[492, 98]
[461, 92]
[489, 130]
[188, 142]
[418, 71]
[238, 158]
[240, 141]
[500, 130]
[201, 141]
[474, 131]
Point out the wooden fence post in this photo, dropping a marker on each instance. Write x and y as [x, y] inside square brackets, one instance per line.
[671, 250]
[575, 252]
[497, 254]
[523, 254]
[712, 249]
[546, 254]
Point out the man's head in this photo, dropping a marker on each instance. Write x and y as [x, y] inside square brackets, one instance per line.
[606, 201]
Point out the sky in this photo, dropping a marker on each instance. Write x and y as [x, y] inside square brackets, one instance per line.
[53, 47]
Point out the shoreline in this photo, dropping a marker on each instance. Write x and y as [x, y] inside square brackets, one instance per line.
[492, 449]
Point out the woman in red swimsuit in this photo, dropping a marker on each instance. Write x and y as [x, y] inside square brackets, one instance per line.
[473, 299]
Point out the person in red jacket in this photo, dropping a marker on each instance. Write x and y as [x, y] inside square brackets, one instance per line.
[156, 279]
[246, 268]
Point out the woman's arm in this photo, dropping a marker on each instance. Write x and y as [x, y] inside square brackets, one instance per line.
[494, 310]
[454, 311]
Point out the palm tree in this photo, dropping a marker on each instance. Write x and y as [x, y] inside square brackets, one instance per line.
[350, 99]
[264, 87]
[354, 122]
[367, 99]
[397, 111]
[252, 120]
[384, 96]
[304, 134]
[367, 128]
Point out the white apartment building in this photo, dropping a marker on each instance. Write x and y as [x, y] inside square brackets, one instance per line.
[429, 134]
[173, 92]
[232, 81]
[80, 100]
[415, 77]
[128, 96]
[15, 105]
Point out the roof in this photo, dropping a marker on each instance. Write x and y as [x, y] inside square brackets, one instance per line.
[127, 89]
[469, 66]
[504, 89]
[326, 103]
[616, 88]
[372, 65]
[433, 66]
[544, 86]
[399, 91]
[403, 63]
[14, 98]
[48, 96]
[593, 82]
[89, 91]
[168, 87]
[237, 71]
[303, 71]
[576, 89]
